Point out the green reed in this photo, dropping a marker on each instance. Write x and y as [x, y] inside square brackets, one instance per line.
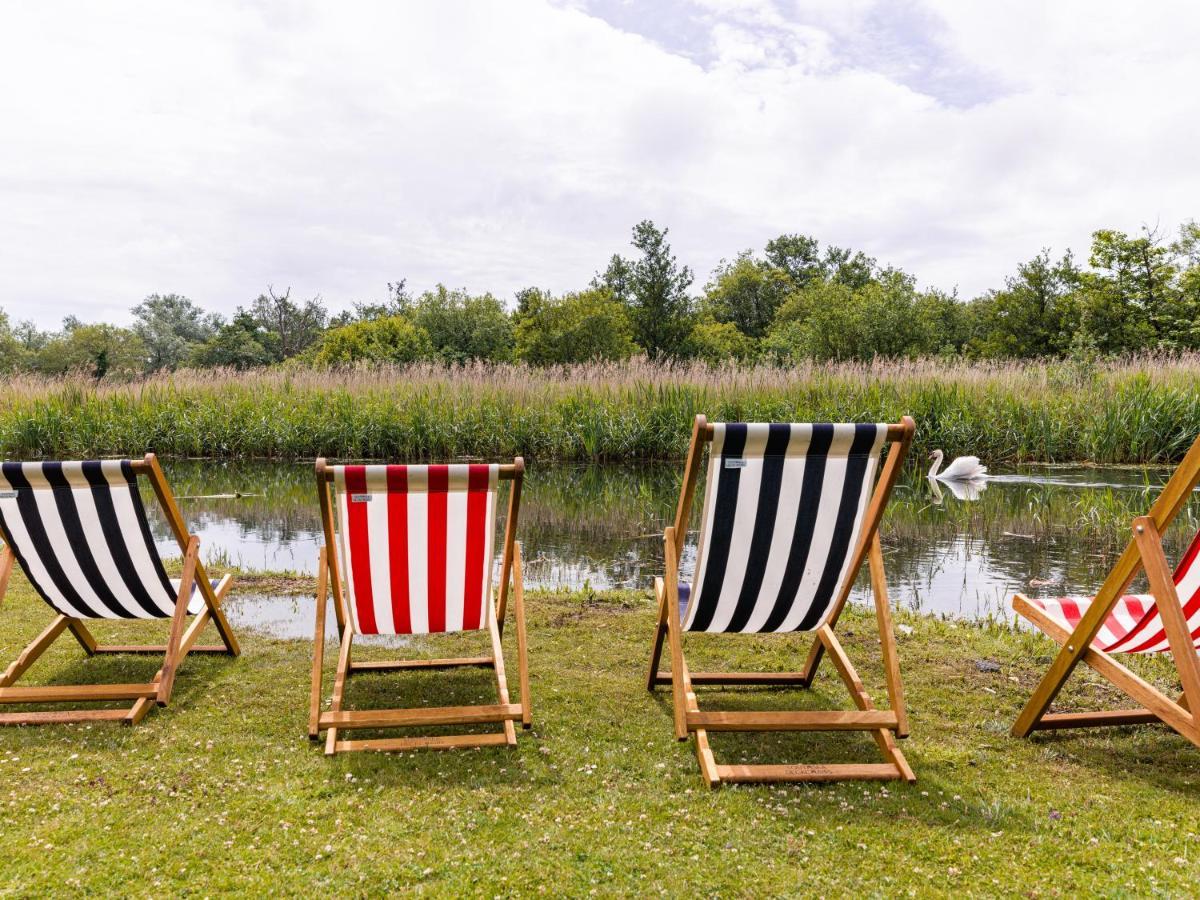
[1139, 410]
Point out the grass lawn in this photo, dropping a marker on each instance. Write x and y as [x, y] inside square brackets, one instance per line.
[222, 791]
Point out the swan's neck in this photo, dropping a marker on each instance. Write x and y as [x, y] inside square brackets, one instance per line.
[937, 463]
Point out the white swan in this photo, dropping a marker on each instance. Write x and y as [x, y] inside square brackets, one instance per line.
[964, 468]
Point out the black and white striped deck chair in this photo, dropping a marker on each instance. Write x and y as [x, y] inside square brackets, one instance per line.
[79, 532]
[791, 513]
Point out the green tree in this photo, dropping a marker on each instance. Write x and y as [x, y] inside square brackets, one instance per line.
[464, 328]
[654, 287]
[1034, 315]
[11, 355]
[296, 326]
[398, 303]
[171, 327]
[391, 339]
[719, 342]
[590, 325]
[97, 350]
[239, 344]
[746, 293]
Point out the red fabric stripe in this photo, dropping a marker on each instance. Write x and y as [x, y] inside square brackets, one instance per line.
[358, 539]
[397, 501]
[439, 482]
[1070, 611]
[477, 488]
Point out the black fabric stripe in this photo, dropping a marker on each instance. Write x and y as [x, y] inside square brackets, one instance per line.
[725, 507]
[778, 437]
[32, 520]
[806, 524]
[64, 499]
[106, 511]
[839, 544]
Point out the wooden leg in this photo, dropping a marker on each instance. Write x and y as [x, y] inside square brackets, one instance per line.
[83, 636]
[677, 665]
[660, 633]
[510, 733]
[34, 650]
[7, 559]
[339, 688]
[224, 629]
[166, 679]
[314, 703]
[887, 637]
[522, 642]
[1179, 636]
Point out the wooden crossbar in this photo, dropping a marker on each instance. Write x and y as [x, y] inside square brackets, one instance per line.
[849, 720]
[832, 772]
[64, 717]
[403, 718]
[739, 678]
[77, 692]
[439, 742]
[401, 665]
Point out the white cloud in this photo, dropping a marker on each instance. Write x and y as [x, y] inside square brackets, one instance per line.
[211, 149]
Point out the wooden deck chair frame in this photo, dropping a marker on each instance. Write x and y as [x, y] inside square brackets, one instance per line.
[504, 712]
[181, 639]
[1144, 551]
[883, 725]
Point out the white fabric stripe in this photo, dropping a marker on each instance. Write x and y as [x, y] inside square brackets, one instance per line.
[489, 554]
[381, 560]
[855, 535]
[418, 561]
[456, 558]
[745, 514]
[832, 485]
[24, 546]
[706, 522]
[790, 489]
[343, 507]
[139, 552]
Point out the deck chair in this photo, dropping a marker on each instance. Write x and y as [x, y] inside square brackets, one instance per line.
[412, 554]
[79, 532]
[1094, 629]
[790, 514]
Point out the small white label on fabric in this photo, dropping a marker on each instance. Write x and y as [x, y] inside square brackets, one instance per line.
[360, 498]
[8, 495]
[735, 463]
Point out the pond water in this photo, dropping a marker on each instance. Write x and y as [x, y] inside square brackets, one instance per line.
[1041, 530]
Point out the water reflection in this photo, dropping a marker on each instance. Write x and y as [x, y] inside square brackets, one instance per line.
[1043, 530]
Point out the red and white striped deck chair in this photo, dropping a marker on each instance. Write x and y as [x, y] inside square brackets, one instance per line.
[411, 553]
[791, 513]
[79, 532]
[1094, 629]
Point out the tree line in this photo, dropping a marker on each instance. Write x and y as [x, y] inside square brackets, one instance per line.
[796, 300]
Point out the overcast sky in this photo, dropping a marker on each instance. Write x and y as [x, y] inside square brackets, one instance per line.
[213, 148]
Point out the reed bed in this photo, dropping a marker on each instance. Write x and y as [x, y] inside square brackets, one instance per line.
[1137, 410]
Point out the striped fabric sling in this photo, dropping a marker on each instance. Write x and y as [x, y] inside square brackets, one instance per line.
[782, 516]
[417, 543]
[80, 533]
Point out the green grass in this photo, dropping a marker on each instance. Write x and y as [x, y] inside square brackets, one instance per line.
[1132, 411]
[223, 792]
